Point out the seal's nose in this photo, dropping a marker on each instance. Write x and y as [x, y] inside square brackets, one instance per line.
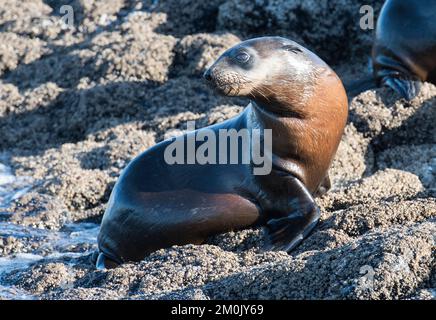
[208, 75]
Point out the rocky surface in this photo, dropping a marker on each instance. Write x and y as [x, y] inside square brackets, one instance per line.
[77, 104]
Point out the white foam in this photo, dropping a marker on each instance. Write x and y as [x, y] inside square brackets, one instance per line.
[11, 186]
[12, 293]
[57, 245]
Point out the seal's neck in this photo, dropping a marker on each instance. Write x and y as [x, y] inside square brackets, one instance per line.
[286, 126]
[276, 108]
[304, 137]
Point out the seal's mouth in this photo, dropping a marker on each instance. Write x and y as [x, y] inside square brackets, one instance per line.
[227, 89]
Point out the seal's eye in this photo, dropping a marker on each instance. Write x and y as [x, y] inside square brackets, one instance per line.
[292, 48]
[242, 57]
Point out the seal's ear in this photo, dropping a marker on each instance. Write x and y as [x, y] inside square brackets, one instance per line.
[291, 48]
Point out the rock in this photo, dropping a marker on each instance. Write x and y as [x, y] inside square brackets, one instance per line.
[391, 121]
[385, 265]
[330, 29]
[194, 53]
[354, 158]
[419, 160]
[76, 105]
[185, 16]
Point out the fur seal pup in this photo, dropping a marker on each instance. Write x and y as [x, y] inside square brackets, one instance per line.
[294, 94]
[404, 51]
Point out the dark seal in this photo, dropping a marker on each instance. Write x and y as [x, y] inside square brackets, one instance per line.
[404, 52]
[294, 94]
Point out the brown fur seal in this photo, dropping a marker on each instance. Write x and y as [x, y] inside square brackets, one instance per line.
[293, 93]
[404, 52]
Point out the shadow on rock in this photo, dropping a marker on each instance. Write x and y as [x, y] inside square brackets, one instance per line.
[186, 16]
[72, 115]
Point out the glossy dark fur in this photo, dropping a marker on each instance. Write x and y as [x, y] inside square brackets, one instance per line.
[155, 205]
[404, 51]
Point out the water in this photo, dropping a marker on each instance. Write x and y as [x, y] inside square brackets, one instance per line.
[53, 242]
[12, 187]
[72, 241]
[11, 293]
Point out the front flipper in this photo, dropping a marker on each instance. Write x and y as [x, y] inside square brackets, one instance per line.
[393, 73]
[408, 88]
[287, 232]
[104, 262]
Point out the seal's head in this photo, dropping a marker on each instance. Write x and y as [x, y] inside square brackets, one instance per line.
[269, 70]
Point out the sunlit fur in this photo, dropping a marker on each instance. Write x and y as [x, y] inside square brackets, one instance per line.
[293, 92]
[275, 73]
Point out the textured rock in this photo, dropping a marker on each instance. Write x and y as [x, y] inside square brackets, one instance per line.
[330, 28]
[76, 105]
[194, 53]
[186, 16]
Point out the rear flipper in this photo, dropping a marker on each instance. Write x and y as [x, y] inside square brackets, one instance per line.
[286, 233]
[408, 88]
